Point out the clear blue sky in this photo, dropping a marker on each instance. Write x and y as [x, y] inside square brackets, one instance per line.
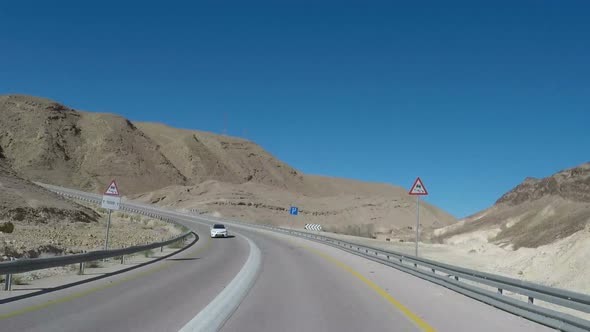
[472, 97]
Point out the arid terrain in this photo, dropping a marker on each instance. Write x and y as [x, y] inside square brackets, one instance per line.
[48, 142]
[538, 231]
[535, 213]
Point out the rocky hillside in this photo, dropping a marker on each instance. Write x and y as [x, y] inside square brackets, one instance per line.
[381, 214]
[535, 213]
[48, 142]
[24, 202]
[202, 156]
[571, 184]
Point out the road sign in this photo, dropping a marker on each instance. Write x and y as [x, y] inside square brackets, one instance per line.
[418, 188]
[313, 227]
[112, 190]
[294, 211]
[111, 202]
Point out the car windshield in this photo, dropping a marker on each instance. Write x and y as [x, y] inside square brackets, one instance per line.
[218, 226]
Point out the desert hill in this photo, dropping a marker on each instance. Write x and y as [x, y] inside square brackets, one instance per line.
[45, 141]
[383, 214]
[24, 202]
[537, 212]
[202, 156]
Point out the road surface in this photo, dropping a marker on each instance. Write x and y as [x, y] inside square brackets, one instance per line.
[301, 286]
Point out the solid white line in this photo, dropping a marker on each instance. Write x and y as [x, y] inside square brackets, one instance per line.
[218, 311]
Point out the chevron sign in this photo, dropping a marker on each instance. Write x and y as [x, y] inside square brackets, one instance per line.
[313, 227]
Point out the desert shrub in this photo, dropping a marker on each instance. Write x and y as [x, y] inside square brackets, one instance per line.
[18, 280]
[7, 227]
[93, 264]
[176, 245]
[148, 253]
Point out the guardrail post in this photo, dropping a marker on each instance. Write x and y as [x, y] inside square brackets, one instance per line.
[122, 259]
[81, 269]
[8, 280]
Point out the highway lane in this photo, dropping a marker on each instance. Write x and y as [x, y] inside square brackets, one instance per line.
[302, 286]
[300, 291]
[162, 300]
[307, 286]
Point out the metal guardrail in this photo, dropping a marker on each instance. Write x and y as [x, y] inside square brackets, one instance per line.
[456, 278]
[26, 265]
[485, 287]
[32, 264]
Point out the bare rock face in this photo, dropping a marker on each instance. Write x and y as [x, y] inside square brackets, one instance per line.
[47, 142]
[572, 184]
[535, 213]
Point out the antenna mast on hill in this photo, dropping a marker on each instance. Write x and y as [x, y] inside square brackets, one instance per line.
[225, 124]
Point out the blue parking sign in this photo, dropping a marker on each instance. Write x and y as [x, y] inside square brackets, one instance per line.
[294, 210]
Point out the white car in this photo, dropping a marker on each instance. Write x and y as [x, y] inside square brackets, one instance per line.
[218, 230]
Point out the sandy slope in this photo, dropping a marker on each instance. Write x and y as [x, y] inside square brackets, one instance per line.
[383, 214]
[535, 213]
[47, 142]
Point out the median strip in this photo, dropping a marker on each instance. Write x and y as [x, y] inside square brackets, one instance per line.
[218, 311]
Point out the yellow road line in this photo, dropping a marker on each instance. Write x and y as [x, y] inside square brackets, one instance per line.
[95, 289]
[412, 316]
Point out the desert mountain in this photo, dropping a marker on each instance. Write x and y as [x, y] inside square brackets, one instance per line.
[47, 142]
[535, 213]
[202, 156]
[382, 214]
[24, 202]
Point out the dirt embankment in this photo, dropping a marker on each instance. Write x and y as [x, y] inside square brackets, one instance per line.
[32, 240]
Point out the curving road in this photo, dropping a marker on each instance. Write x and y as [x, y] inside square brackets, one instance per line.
[301, 286]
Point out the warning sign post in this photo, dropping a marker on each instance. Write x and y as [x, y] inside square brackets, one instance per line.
[111, 200]
[418, 189]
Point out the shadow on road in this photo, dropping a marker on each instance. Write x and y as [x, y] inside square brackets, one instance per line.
[183, 259]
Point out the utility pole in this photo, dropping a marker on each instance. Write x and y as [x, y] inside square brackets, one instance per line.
[225, 123]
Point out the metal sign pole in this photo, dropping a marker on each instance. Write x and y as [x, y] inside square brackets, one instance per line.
[106, 242]
[417, 223]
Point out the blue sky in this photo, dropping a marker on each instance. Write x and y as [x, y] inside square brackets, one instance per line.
[472, 96]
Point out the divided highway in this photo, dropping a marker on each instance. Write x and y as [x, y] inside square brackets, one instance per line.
[300, 286]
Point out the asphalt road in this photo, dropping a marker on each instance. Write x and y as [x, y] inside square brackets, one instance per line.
[301, 286]
[164, 297]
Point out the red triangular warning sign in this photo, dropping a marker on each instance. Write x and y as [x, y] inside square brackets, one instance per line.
[418, 188]
[112, 190]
